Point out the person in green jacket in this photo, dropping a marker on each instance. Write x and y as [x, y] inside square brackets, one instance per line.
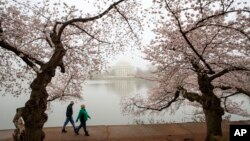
[83, 116]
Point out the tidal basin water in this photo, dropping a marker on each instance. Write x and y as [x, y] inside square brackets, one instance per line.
[102, 99]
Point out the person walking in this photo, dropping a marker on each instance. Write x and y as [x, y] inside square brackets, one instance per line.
[83, 116]
[69, 118]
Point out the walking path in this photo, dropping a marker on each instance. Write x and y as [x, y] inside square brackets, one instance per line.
[152, 132]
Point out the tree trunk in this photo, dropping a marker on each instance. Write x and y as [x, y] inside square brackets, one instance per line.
[213, 116]
[34, 111]
[211, 105]
[32, 134]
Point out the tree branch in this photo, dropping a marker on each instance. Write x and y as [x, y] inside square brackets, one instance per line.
[62, 67]
[84, 20]
[208, 43]
[231, 2]
[60, 96]
[63, 92]
[201, 22]
[191, 96]
[223, 87]
[27, 59]
[236, 29]
[223, 72]
[195, 51]
[225, 100]
[240, 90]
[227, 96]
[126, 19]
[92, 36]
[46, 35]
[201, 8]
[188, 41]
[177, 93]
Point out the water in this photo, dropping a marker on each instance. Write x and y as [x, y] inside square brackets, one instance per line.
[102, 100]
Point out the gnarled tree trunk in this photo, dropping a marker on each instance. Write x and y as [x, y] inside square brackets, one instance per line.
[212, 108]
[213, 116]
[34, 111]
[18, 122]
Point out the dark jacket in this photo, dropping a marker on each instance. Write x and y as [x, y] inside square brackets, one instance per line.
[69, 111]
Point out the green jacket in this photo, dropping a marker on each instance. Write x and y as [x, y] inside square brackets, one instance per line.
[83, 115]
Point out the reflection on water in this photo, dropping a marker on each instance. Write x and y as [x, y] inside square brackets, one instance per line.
[127, 87]
[102, 99]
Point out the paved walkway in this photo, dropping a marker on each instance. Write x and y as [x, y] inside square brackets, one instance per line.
[152, 132]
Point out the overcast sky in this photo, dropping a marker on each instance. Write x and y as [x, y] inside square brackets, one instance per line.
[134, 57]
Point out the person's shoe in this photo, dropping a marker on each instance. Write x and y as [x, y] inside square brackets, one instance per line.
[64, 131]
[86, 134]
[76, 132]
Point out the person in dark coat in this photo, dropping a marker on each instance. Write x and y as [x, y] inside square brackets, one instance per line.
[69, 118]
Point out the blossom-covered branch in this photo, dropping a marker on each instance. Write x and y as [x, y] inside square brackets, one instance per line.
[84, 20]
[228, 70]
[92, 36]
[184, 34]
[27, 59]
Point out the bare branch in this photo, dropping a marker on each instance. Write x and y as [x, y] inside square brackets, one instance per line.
[176, 95]
[223, 87]
[240, 90]
[223, 6]
[227, 96]
[60, 96]
[232, 1]
[225, 100]
[201, 8]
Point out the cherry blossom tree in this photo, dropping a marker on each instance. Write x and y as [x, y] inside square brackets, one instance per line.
[201, 53]
[54, 47]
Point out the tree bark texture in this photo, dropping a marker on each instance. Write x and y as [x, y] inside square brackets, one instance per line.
[212, 108]
[18, 122]
[34, 111]
[213, 116]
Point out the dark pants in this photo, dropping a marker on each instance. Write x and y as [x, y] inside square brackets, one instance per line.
[82, 125]
[69, 119]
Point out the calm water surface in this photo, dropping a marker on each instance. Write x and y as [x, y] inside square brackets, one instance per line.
[102, 99]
